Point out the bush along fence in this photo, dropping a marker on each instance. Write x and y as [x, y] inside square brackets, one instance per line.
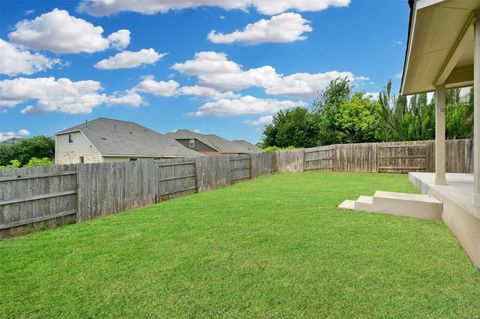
[41, 197]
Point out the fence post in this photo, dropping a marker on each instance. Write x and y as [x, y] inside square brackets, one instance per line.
[196, 175]
[78, 216]
[302, 168]
[250, 167]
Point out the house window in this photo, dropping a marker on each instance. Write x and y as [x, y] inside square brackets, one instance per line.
[70, 137]
[82, 160]
[191, 143]
[133, 159]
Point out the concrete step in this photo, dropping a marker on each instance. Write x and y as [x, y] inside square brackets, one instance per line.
[347, 204]
[364, 203]
[379, 195]
[399, 204]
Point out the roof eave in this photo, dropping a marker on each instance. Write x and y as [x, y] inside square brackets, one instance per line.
[411, 3]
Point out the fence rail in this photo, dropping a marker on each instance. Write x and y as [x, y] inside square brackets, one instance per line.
[41, 197]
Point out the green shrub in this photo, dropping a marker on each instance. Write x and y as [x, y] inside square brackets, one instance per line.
[13, 164]
[276, 148]
[39, 162]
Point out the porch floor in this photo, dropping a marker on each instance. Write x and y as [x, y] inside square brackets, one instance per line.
[459, 189]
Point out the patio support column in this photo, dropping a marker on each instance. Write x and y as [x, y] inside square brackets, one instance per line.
[440, 147]
[476, 120]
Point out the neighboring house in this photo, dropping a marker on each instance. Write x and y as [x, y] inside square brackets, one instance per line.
[465, 94]
[212, 144]
[251, 148]
[108, 140]
[12, 140]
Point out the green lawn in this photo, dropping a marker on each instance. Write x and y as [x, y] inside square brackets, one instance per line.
[272, 247]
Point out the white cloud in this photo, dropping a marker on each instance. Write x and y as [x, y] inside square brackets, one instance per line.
[129, 59]
[306, 85]
[270, 7]
[207, 62]
[8, 135]
[263, 120]
[286, 27]
[14, 60]
[372, 95]
[214, 70]
[60, 32]
[206, 92]
[244, 105]
[129, 97]
[119, 40]
[158, 88]
[62, 95]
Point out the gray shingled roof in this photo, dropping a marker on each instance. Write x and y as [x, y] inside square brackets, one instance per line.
[251, 148]
[113, 137]
[12, 140]
[216, 142]
[187, 135]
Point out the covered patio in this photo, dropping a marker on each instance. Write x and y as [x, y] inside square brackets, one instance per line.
[443, 52]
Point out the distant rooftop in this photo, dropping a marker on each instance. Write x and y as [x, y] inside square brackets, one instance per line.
[216, 142]
[114, 137]
[12, 140]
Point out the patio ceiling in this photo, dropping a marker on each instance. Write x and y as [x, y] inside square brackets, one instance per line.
[440, 45]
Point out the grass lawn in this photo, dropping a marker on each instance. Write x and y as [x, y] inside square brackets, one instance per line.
[272, 247]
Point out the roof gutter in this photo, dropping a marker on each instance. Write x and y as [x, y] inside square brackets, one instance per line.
[411, 3]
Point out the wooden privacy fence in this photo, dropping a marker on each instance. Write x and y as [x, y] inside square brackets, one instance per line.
[47, 196]
[37, 197]
[319, 158]
[391, 157]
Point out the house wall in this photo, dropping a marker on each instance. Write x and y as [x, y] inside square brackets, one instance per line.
[199, 146]
[110, 159]
[70, 153]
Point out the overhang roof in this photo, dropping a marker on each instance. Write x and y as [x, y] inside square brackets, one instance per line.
[440, 45]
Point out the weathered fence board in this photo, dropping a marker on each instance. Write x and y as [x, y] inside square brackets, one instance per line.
[240, 168]
[212, 172]
[42, 196]
[356, 157]
[459, 157]
[176, 179]
[112, 187]
[320, 158]
[404, 157]
[263, 164]
[291, 161]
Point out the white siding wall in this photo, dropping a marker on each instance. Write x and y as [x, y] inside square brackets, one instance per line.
[70, 153]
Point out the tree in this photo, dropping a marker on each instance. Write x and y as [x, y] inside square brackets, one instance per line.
[38, 146]
[402, 120]
[296, 127]
[459, 115]
[327, 107]
[357, 119]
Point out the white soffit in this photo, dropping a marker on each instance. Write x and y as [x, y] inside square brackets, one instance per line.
[440, 48]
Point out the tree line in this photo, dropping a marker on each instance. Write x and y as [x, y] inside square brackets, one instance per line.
[35, 151]
[340, 115]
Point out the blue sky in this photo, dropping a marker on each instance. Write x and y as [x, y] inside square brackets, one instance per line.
[170, 74]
